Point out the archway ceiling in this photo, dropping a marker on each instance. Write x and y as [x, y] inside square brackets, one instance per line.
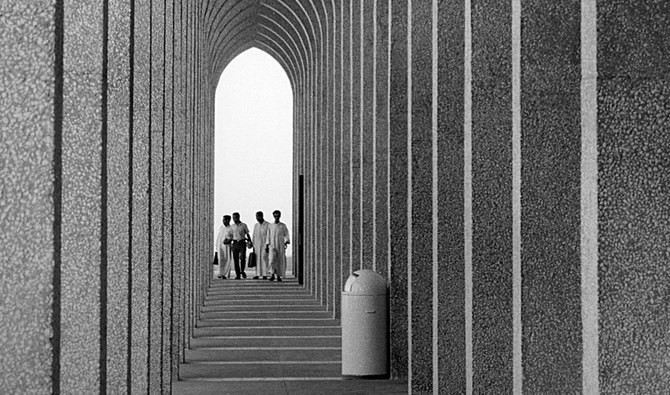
[292, 31]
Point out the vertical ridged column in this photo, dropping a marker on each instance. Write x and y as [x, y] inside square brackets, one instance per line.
[368, 132]
[326, 162]
[633, 232]
[317, 24]
[140, 198]
[346, 140]
[398, 189]
[179, 244]
[420, 172]
[119, 112]
[168, 198]
[31, 128]
[492, 197]
[450, 203]
[156, 235]
[81, 197]
[550, 160]
[355, 135]
[338, 237]
[381, 136]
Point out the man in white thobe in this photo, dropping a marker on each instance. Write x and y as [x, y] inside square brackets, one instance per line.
[258, 240]
[241, 239]
[223, 239]
[275, 244]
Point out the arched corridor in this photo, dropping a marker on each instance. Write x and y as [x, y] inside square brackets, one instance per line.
[503, 165]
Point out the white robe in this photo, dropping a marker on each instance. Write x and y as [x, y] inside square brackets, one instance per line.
[262, 257]
[276, 241]
[225, 252]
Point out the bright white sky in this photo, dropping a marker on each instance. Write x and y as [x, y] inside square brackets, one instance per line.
[254, 140]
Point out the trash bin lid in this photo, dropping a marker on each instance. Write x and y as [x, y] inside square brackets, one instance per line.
[365, 282]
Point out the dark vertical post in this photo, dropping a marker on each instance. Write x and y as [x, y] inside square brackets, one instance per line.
[301, 224]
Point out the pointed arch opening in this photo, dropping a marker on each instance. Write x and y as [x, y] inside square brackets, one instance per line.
[253, 151]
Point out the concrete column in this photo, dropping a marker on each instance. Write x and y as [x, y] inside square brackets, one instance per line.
[156, 192]
[346, 139]
[31, 128]
[398, 180]
[420, 214]
[450, 335]
[367, 191]
[491, 197]
[140, 197]
[381, 135]
[179, 208]
[81, 254]
[632, 191]
[336, 197]
[168, 199]
[327, 157]
[118, 172]
[550, 158]
[355, 134]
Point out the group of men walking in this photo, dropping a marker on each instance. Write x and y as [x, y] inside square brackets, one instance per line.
[269, 243]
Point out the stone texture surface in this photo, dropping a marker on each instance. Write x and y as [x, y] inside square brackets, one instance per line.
[633, 217]
[346, 141]
[161, 65]
[81, 198]
[550, 190]
[381, 124]
[450, 247]
[26, 205]
[355, 134]
[156, 192]
[140, 199]
[398, 180]
[168, 201]
[492, 197]
[368, 134]
[118, 219]
[338, 236]
[421, 179]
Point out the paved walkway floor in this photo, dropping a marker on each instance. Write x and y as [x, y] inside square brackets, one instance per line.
[311, 387]
[262, 337]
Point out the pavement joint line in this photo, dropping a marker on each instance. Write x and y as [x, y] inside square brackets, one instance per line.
[273, 337]
[288, 305]
[263, 348]
[263, 362]
[224, 379]
[267, 319]
[276, 312]
[273, 327]
[278, 300]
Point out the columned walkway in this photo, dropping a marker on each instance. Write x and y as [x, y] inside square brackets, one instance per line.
[261, 337]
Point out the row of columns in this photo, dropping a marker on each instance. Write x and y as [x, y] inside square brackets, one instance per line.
[501, 165]
[106, 213]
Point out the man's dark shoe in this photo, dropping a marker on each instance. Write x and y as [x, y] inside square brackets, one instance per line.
[272, 278]
[265, 277]
[255, 278]
[237, 278]
[244, 275]
[278, 278]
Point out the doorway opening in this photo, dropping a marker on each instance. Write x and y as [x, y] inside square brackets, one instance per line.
[253, 156]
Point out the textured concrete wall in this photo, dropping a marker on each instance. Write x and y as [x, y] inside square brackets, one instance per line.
[503, 165]
[27, 215]
[92, 172]
[462, 172]
[633, 171]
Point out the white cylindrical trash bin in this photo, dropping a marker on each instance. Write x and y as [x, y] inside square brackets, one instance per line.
[365, 345]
